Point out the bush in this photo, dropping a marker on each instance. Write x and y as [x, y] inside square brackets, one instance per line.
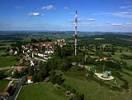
[77, 96]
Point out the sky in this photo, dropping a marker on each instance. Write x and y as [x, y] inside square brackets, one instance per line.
[58, 15]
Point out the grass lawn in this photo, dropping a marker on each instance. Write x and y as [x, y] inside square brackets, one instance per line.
[128, 76]
[2, 52]
[92, 90]
[6, 61]
[41, 91]
[129, 62]
[3, 85]
[117, 56]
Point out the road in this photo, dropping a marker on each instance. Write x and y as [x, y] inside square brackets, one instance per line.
[5, 68]
[18, 87]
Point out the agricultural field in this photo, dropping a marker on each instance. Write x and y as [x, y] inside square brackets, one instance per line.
[41, 91]
[5, 59]
[93, 90]
[117, 56]
[3, 85]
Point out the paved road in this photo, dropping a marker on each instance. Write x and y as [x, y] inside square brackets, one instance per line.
[39, 59]
[5, 68]
[17, 90]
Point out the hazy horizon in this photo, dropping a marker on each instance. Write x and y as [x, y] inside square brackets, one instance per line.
[49, 15]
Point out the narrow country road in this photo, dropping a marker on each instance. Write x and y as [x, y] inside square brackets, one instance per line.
[5, 68]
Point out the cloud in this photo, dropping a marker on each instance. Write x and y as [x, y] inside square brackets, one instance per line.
[86, 20]
[123, 14]
[116, 24]
[122, 25]
[48, 7]
[129, 24]
[66, 8]
[122, 7]
[91, 19]
[87, 24]
[126, 7]
[34, 14]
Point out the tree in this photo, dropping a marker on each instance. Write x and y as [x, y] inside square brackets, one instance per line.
[67, 64]
[41, 74]
[19, 74]
[2, 75]
[64, 51]
[56, 78]
[30, 70]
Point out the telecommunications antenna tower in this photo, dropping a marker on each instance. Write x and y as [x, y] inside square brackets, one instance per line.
[75, 41]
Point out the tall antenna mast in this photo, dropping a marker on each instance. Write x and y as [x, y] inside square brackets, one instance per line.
[75, 21]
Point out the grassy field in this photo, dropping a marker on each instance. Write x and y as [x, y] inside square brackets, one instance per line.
[92, 90]
[6, 61]
[118, 54]
[3, 85]
[41, 91]
[5, 43]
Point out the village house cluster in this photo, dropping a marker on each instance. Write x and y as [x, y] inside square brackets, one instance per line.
[38, 51]
[42, 50]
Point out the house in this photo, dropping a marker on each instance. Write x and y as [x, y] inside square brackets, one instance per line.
[11, 51]
[31, 63]
[60, 42]
[15, 52]
[103, 59]
[49, 52]
[29, 80]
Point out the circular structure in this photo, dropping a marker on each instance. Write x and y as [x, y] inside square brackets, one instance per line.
[101, 76]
